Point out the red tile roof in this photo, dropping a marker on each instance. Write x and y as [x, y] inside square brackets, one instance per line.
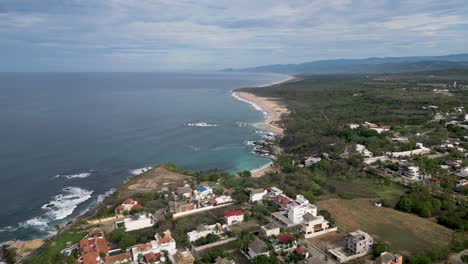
[143, 246]
[136, 207]
[166, 238]
[128, 201]
[119, 208]
[285, 238]
[283, 200]
[119, 257]
[90, 258]
[233, 213]
[89, 249]
[152, 257]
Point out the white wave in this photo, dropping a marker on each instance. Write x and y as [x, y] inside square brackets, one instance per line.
[63, 204]
[140, 170]
[75, 176]
[288, 78]
[249, 143]
[254, 105]
[103, 196]
[8, 229]
[201, 124]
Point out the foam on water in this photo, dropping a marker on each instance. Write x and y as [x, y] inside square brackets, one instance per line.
[254, 105]
[75, 176]
[103, 196]
[140, 170]
[63, 204]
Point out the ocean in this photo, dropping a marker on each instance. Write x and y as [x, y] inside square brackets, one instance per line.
[67, 139]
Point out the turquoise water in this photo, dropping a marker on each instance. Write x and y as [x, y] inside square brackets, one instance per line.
[68, 138]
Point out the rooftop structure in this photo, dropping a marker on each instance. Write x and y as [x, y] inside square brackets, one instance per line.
[234, 216]
[271, 229]
[90, 248]
[186, 191]
[203, 192]
[256, 248]
[357, 244]
[311, 161]
[204, 230]
[161, 243]
[409, 171]
[257, 195]
[313, 226]
[137, 221]
[127, 206]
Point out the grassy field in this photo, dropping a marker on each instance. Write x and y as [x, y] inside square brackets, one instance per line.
[405, 233]
[54, 248]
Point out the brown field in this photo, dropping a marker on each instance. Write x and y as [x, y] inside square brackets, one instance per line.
[405, 233]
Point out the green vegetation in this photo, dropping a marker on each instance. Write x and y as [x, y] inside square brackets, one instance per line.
[210, 238]
[122, 239]
[50, 251]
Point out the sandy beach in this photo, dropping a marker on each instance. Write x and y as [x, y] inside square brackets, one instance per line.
[273, 109]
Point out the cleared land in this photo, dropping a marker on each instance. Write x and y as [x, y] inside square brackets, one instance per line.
[405, 233]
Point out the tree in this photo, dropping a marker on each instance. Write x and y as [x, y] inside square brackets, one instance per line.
[245, 174]
[379, 248]
[262, 259]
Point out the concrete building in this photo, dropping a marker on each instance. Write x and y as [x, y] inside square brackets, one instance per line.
[273, 191]
[256, 248]
[297, 210]
[136, 222]
[204, 230]
[311, 161]
[388, 258]
[127, 206]
[257, 195]
[357, 244]
[313, 226]
[234, 217]
[409, 171]
[271, 229]
[203, 193]
[184, 257]
[364, 151]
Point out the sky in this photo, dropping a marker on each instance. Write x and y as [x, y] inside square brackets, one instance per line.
[173, 35]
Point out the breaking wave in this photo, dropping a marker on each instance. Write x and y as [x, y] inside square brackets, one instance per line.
[74, 176]
[140, 170]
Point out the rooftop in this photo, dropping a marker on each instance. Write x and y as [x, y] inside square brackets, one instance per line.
[233, 213]
[258, 246]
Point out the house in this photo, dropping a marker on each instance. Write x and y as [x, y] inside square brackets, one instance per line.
[409, 171]
[285, 243]
[220, 260]
[220, 200]
[313, 226]
[298, 209]
[273, 191]
[136, 222]
[378, 128]
[271, 229]
[353, 126]
[90, 249]
[203, 193]
[157, 246]
[257, 195]
[282, 200]
[204, 230]
[234, 217]
[311, 161]
[184, 257]
[463, 172]
[119, 258]
[184, 191]
[357, 244]
[388, 258]
[256, 248]
[127, 206]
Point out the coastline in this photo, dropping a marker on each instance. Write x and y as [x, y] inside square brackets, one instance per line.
[273, 111]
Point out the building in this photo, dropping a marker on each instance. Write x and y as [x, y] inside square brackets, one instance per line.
[357, 244]
[409, 171]
[184, 191]
[184, 257]
[313, 226]
[298, 209]
[364, 151]
[257, 195]
[378, 128]
[256, 248]
[282, 200]
[119, 258]
[204, 230]
[388, 258]
[203, 193]
[220, 200]
[137, 221]
[311, 161]
[127, 206]
[463, 172]
[271, 229]
[273, 191]
[285, 243]
[89, 250]
[353, 126]
[234, 217]
[421, 150]
[157, 246]
[461, 183]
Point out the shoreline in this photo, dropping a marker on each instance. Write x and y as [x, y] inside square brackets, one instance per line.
[272, 110]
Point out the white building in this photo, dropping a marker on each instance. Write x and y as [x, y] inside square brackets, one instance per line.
[354, 126]
[271, 229]
[421, 150]
[409, 171]
[273, 191]
[297, 210]
[223, 199]
[313, 226]
[204, 230]
[311, 161]
[137, 221]
[166, 242]
[234, 217]
[463, 172]
[203, 193]
[257, 195]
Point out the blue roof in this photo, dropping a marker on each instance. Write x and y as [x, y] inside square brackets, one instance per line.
[201, 188]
